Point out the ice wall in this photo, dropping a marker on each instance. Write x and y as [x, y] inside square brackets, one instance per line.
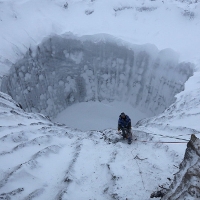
[66, 69]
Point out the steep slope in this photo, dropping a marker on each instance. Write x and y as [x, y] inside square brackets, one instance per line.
[66, 69]
[181, 118]
[178, 122]
[42, 160]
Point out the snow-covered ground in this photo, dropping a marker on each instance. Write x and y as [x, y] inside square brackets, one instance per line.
[41, 160]
[97, 115]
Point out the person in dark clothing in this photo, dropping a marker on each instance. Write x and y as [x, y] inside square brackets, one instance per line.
[124, 124]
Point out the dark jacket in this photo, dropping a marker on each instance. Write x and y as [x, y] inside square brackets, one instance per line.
[126, 122]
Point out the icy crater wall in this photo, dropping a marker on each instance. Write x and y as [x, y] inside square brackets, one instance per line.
[64, 70]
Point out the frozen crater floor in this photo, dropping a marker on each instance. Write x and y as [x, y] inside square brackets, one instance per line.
[97, 115]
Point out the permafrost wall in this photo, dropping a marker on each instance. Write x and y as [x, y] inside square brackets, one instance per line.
[64, 70]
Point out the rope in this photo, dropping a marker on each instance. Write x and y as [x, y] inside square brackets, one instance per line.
[162, 142]
[140, 172]
[165, 136]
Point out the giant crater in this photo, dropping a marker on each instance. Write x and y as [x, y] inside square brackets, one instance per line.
[63, 70]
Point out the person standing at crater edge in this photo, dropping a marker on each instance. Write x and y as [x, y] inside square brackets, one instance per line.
[124, 124]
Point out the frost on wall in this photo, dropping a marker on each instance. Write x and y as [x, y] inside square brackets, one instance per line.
[64, 70]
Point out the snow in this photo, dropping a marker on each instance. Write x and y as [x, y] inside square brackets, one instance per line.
[162, 23]
[53, 161]
[45, 160]
[97, 115]
[110, 70]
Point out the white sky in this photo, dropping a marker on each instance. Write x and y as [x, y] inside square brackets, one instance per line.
[24, 23]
